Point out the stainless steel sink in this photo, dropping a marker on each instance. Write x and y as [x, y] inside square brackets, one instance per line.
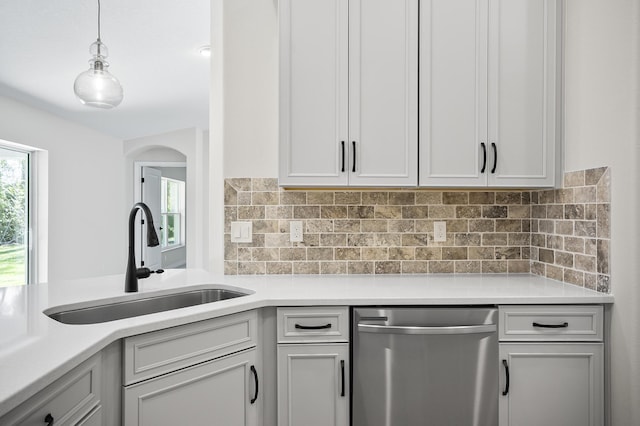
[149, 305]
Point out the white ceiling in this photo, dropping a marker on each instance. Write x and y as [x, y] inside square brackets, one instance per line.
[153, 51]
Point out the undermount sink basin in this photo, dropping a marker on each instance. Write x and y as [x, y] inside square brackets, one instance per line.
[143, 306]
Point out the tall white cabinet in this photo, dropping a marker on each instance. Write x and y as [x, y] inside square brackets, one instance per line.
[348, 92]
[488, 92]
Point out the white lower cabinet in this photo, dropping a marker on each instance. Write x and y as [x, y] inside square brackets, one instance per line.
[313, 366]
[94, 418]
[71, 400]
[551, 366]
[204, 373]
[313, 385]
[551, 384]
[219, 392]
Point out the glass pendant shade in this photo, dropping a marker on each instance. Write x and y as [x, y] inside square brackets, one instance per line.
[97, 87]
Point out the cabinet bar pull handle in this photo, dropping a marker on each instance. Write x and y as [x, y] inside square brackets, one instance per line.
[354, 156]
[312, 327]
[255, 378]
[495, 157]
[342, 156]
[484, 157]
[563, 325]
[48, 419]
[453, 329]
[506, 370]
[342, 372]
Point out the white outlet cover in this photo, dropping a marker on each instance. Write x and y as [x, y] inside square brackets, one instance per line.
[295, 231]
[439, 231]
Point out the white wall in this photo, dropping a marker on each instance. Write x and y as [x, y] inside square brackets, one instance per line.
[601, 128]
[177, 173]
[87, 215]
[161, 155]
[250, 88]
[243, 140]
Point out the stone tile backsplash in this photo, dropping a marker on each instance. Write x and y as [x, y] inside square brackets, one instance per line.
[556, 233]
[570, 230]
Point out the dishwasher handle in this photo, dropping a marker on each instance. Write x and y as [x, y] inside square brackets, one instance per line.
[451, 329]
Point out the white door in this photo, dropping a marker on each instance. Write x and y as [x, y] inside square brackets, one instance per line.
[313, 385]
[213, 393]
[453, 93]
[383, 93]
[151, 196]
[313, 92]
[522, 91]
[551, 384]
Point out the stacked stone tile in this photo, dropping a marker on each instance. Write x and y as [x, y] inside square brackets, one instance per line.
[562, 234]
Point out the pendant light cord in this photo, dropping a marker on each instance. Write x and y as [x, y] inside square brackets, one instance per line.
[98, 20]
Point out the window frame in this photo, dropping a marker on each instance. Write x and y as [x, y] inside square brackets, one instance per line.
[30, 264]
[180, 213]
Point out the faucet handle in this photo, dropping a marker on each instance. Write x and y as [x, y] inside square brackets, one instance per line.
[146, 272]
[143, 272]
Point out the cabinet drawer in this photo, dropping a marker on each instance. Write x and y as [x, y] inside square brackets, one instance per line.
[550, 323]
[94, 418]
[313, 324]
[159, 352]
[66, 401]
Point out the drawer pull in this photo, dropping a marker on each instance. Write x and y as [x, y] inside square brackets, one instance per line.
[506, 373]
[342, 375]
[313, 327]
[255, 378]
[563, 325]
[48, 419]
[354, 157]
[495, 157]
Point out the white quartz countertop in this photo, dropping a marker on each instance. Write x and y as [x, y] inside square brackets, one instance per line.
[36, 350]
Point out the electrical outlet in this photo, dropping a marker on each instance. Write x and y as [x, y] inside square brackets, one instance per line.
[295, 231]
[439, 231]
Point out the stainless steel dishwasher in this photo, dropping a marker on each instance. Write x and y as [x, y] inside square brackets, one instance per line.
[425, 366]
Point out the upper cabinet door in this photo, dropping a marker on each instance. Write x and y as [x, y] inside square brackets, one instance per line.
[453, 92]
[313, 92]
[523, 37]
[383, 92]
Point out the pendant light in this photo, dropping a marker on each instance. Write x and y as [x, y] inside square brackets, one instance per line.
[97, 87]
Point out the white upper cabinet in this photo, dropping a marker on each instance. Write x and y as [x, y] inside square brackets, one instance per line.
[488, 85]
[313, 91]
[522, 95]
[383, 92]
[453, 92]
[348, 92]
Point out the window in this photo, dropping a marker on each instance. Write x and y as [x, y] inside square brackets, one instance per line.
[173, 206]
[14, 217]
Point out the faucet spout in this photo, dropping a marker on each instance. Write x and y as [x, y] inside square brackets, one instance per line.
[131, 277]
